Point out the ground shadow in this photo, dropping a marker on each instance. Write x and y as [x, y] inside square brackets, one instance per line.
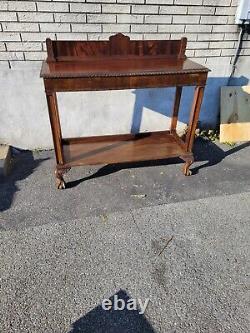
[22, 165]
[204, 151]
[99, 320]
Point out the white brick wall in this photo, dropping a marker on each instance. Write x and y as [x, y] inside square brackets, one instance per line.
[208, 25]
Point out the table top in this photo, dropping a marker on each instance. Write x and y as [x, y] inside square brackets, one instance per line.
[120, 66]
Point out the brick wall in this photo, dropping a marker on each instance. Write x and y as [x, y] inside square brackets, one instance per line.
[208, 25]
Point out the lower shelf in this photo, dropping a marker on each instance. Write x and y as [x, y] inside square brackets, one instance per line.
[122, 148]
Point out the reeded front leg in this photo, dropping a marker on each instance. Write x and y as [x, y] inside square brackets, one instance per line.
[57, 137]
[55, 126]
[194, 116]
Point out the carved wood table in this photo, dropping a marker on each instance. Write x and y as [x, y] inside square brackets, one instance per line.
[121, 63]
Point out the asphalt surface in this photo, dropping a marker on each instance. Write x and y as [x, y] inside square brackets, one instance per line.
[136, 231]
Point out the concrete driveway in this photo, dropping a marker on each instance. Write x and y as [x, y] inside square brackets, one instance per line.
[132, 231]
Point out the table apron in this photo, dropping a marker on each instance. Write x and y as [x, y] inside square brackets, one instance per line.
[123, 82]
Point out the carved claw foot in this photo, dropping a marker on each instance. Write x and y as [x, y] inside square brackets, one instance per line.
[60, 183]
[186, 167]
[188, 161]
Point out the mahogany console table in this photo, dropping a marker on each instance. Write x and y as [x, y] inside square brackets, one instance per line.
[121, 63]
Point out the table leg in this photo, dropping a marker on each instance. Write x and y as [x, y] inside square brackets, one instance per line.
[194, 116]
[178, 92]
[57, 136]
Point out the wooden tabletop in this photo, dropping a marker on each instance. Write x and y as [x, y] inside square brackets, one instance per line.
[120, 66]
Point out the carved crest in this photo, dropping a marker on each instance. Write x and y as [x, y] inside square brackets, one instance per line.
[119, 44]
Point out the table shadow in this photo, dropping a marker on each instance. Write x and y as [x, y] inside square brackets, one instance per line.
[204, 151]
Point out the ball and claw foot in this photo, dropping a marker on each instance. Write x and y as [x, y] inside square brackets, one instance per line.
[186, 167]
[60, 183]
